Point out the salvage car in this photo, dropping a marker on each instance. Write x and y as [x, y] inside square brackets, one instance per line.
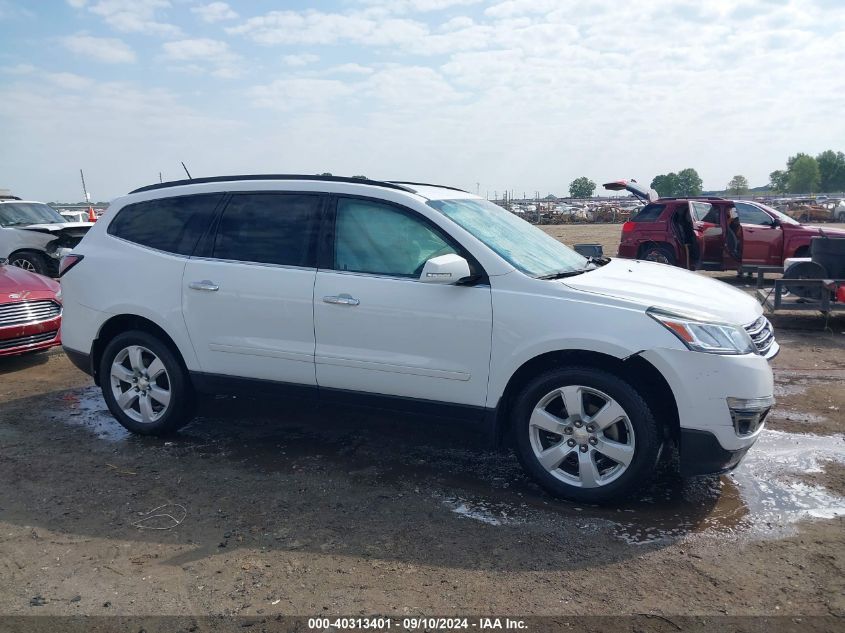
[383, 294]
[30, 311]
[712, 233]
[34, 236]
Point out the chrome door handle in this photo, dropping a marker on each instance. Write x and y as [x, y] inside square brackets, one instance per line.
[343, 300]
[205, 284]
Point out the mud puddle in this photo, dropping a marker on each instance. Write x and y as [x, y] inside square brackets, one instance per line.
[764, 497]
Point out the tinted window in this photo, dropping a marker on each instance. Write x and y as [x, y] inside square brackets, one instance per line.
[269, 228]
[705, 212]
[749, 214]
[380, 239]
[174, 225]
[650, 213]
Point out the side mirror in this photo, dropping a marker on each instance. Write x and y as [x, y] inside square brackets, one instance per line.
[3, 261]
[775, 222]
[445, 269]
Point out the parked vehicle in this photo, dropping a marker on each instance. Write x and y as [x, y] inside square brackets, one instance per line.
[712, 233]
[384, 294]
[30, 311]
[34, 236]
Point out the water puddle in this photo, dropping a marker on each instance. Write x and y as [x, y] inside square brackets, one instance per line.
[764, 497]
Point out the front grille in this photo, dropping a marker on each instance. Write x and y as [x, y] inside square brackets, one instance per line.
[26, 312]
[21, 341]
[763, 335]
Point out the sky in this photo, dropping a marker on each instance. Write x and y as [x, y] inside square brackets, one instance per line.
[524, 95]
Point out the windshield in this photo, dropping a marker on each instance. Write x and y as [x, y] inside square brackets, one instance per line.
[26, 213]
[785, 219]
[521, 244]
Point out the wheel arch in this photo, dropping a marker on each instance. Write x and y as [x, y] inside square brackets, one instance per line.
[643, 247]
[123, 323]
[634, 369]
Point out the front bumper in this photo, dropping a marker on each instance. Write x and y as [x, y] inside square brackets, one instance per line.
[21, 339]
[701, 454]
[714, 436]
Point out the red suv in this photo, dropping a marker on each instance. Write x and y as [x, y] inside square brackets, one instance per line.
[711, 233]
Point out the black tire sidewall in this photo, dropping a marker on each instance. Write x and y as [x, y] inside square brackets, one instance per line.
[181, 394]
[648, 437]
[664, 250]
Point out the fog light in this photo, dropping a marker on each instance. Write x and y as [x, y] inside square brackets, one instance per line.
[748, 414]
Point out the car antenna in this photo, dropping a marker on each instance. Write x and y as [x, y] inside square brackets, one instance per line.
[186, 170]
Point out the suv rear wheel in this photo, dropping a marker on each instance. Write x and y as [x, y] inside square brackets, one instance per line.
[586, 435]
[659, 253]
[145, 385]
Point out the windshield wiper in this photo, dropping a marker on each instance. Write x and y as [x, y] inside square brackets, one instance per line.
[564, 273]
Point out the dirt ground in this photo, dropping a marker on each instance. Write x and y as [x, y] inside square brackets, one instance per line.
[264, 508]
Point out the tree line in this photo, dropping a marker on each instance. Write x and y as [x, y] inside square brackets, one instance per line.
[810, 174]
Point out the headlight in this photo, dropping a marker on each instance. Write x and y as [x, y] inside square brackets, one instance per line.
[701, 336]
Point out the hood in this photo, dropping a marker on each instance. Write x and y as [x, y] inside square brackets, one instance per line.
[643, 193]
[14, 280]
[56, 228]
[670, 288]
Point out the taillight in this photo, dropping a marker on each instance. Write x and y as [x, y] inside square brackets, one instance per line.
[628, 227]
[68, 262]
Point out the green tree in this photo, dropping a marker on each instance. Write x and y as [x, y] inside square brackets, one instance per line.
[325, 173]
[689, 182]
[361, 177]
[582, 187]
[831, 171]
[804, 175]
[738, 185]
[666, 185]
[779, 181]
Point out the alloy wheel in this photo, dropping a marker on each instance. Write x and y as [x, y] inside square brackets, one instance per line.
[25, 264]
[140, 384]
[582, 436]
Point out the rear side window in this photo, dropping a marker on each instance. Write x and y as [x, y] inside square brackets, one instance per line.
[269, 228]
[705, 212]
[173, 225]
[650, 213]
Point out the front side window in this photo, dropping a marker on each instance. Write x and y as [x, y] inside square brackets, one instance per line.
[522, 245]
[26, 213]
[173, 225]
[382, 240]
[269, 228]
[749, 214]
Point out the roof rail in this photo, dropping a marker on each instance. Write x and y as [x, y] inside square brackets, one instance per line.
[196, 181]
[425, 184]
[5, 197]
[692, 198]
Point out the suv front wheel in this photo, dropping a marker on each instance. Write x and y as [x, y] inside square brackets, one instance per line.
[144, 384]
[586, 435]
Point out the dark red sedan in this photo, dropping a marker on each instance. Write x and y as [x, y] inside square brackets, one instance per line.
[30, 311]
[711, 233]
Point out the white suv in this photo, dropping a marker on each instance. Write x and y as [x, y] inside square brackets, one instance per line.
[420, 298]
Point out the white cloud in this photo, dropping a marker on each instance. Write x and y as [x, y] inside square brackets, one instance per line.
[415, 6]
[77, 4]
[135, 16]
[204, 54]
[315, 27]
[103, 49]
[349, 69]
[300, 93]
[215, 12]
[302, 59]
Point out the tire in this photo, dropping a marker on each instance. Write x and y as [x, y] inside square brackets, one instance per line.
[156, 404]
[33, 262]
[659, 253]
[630, 434]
